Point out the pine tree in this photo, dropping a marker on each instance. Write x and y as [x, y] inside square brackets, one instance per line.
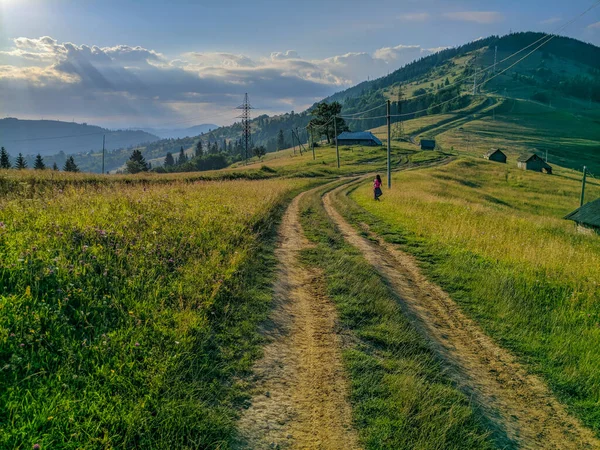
[280, 140]
[169, 161]
[55, 167]
[199, 149]
[70, 165]
[4, 159]
[137, 163]
[447, 82]
[21, 163]
[182, 157]
[39, 163]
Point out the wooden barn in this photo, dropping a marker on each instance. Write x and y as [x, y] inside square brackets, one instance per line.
[531, 161]
[427, 144]
[358, 138]
[587, 217]
[495, 154]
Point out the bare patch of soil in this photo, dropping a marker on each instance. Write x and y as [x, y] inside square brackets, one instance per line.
[300, 396]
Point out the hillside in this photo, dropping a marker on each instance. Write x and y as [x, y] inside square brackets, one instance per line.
[48, 137]
[559, 83]
[176, 133]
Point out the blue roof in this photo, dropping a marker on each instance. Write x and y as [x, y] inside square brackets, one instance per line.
[359, 136]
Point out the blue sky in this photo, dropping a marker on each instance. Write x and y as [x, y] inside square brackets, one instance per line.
[149, 63]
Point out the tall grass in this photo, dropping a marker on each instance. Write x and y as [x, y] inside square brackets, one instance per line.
[129, 312]
[494, 237]
[401, 398]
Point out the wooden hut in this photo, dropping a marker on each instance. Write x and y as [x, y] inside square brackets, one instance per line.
[428, 144]
[587, 217]
[496, 154]
[531, 161]
[358, 138]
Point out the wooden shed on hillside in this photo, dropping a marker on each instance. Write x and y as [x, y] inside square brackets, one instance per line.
[495, 154]
[531, 161]
[358, 138]
[587, 217]
[428, 144]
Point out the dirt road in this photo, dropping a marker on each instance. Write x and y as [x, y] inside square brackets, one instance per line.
[518, 403]
[300, 395]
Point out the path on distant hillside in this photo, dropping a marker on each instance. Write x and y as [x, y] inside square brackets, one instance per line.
[300, 388]
[517, 402]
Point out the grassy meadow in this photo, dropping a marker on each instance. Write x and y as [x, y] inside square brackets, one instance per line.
[129, 311]
[401, 398]
[493, 236]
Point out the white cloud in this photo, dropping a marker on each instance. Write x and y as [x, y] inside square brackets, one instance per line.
[594, 26]
[415, 17]
[482, 17]
[290, 54]
[143, 87]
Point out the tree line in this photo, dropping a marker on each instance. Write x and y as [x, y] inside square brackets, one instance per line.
[20, 162]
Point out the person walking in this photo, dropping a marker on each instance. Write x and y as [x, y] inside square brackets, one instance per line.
[377, 192]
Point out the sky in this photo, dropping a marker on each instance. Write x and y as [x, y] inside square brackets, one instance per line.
[147, 63]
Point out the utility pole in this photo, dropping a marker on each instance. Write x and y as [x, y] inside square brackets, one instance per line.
[474, 83]
[312, 142]
[546, 155]
[389, 148]
[495, 57]
[337, 149]
[103, 142]
[583, 186]
[300, 146]
[293, 142]
[246, 131]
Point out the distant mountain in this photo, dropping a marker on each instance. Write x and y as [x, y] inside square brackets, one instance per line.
[196, 130]
[48, 137]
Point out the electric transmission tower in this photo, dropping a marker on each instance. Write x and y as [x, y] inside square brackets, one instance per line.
[399, 126]
[246, 131]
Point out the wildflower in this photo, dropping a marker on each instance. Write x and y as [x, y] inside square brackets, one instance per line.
[36, 447]
[21, 345]
[2, 225]
[84, 248]
[12, 334]
[137, 344]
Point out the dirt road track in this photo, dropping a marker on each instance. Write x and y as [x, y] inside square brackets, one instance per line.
[517, 402]
[300, 395]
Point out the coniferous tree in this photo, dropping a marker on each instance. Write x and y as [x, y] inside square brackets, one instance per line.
[280, 140]
[169, 161]
[4, 159]
[39, 163]
[20, 162]
[55, 167]
[182, 157]
[137, 163]
[199, 149]
[70, 165]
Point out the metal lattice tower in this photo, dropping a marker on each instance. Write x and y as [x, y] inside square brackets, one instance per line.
[246, 131]
[399, 125]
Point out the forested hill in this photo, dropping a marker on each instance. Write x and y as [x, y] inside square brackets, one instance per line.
[562, 67]
[48, 137]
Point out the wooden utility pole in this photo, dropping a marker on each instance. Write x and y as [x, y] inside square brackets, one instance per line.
[337, 149]
[583, 186]
[103, 142]
[389, 148]
[312, 142]
[293, 142]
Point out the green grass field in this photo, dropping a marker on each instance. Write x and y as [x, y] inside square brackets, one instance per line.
[128, 312]
[400, 394]
[493, 237]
